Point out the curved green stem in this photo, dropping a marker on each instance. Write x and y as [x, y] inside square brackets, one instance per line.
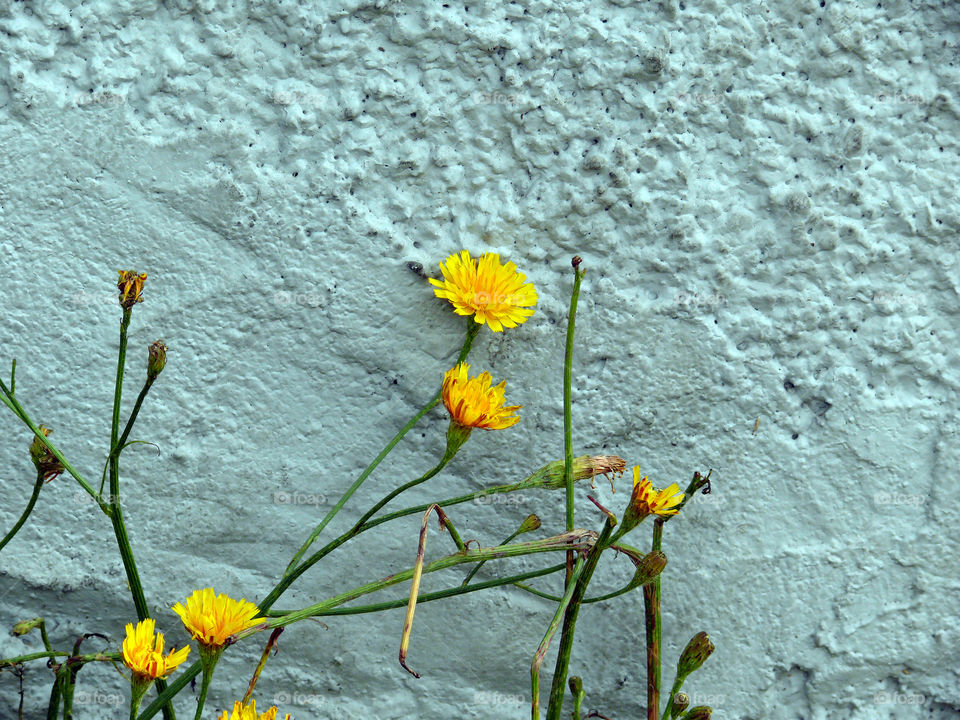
[37, 487]
[651, 610]
[562, 667]
[568, 393]
[472, 329]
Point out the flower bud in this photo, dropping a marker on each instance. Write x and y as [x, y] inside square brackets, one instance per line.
[585, 466]
[680, 702]
[529, 524]
[130, 286]
[47, 464]
[156, 359]
[700, 712]
[694, 654]
[648, 567]
[25, 626]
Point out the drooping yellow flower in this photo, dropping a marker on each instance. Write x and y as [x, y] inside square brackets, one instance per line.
[212, 619]
[130, 286]
[473, 403]
[647, 500]
[143, 652]
[494, 294]
[249, 712]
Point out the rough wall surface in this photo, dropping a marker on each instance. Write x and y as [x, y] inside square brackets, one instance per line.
[761, 193]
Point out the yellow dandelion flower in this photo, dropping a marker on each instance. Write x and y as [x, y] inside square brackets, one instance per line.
[143, 652]
[647, 500]
[473, 403]
[494, 294]
[249, 712]
[130, 286]
[211, 619]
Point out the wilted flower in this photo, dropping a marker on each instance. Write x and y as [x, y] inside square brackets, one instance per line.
[249, 712]
[46, 462]
[494, 294]
[130, 286]
[156, 359]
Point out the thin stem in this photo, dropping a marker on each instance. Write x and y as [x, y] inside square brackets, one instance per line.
[651, 610]
[116, 510]
[204, 686]
[191, 672]
[264, 656]
[37, 487]
[565, 650]
[120, 444]
[577, 540]
[567, 403]
[403, 488]
[552, 628]
[8, 399]
[472, 329]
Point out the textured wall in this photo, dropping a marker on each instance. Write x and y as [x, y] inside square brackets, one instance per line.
[762, 196]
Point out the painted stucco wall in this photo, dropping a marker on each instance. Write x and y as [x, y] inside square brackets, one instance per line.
[764, 197]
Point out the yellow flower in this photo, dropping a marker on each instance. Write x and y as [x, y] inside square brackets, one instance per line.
[249, 712]
[130, 286]
[472, 403]
[213, 619]
[143, 652]
[647, 500]
[494, 294]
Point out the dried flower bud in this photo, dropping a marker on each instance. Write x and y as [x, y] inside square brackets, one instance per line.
[680, 702]
[25, 626]
[529, 524]
[585, 466]
[47, 464]
[156, 359]
[648, 567]
[130, 286]
[694, 654]
[700, 712]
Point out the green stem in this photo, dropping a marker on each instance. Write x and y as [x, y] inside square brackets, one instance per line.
[118, 448]
[558, 687]
[37, 487]
[427, 597]
[577, 540]
[472, 329]
[93, 657]
[204, 686]
[651, 609]
[476, 568]
[8, 399]
[116, 511]
[568, 401]
[53, 707]
[548, 636]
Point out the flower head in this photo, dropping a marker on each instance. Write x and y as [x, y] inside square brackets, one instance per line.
[647, 500]
[156, 359]
[47, 463]
[249, 712]
[130, 286]
[143, 652]
[473, 403]
[212, 619]
[494, 294]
